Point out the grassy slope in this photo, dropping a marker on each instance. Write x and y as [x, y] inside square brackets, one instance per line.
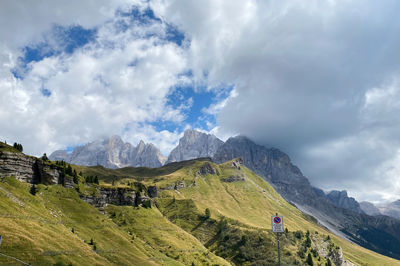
[8, 148]
[251, 203]
[141, 236]
[248, 203]
[39, 232]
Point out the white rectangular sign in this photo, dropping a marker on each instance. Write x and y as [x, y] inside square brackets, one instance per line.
[277, 224]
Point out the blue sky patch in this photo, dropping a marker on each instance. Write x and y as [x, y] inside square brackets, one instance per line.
[45, 92]
[174, 35]
[138, 16]
[73, 37]
[65, 39]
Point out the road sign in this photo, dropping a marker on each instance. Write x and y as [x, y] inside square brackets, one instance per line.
[277, 224]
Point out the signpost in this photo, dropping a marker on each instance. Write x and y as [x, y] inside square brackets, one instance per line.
[277, 227]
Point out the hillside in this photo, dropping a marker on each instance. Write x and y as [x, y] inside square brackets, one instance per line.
[166, 222]
[247, 204]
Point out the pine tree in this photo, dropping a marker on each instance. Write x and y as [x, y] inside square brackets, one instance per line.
[44, 157]
[69, 170]
[33, 190]
[309, 260]
[75, 179]
[308, 241]
[96, 180]
[18, 146]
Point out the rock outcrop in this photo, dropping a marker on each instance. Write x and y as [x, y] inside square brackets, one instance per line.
[234, 178]
[340, 199]
[30, 169]
[112, 153]
[195, 144]
[116, 196]
[152, 191]
[206, 169]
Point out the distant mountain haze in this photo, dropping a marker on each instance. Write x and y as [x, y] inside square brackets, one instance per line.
[113, 153]
[369, 208]
[391, 209]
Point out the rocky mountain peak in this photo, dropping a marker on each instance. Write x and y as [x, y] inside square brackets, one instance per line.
[341, 199]
[369, 208]
[396, 203]
[391, 209]
[112, 153]
[272, 164]
[194, 144]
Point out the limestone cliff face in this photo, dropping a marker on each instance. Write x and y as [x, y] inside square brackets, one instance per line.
[116, 196]
[195, 144]
[272, 164]
[112, 153]
[340, 199]
[276, 167]
[30, 169]
[119, 196]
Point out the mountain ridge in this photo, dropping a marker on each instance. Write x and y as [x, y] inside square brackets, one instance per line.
[173, 228]
[112, 153]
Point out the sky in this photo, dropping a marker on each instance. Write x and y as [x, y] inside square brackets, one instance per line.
[319, 80]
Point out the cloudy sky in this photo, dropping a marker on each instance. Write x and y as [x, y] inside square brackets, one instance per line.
[318, 79]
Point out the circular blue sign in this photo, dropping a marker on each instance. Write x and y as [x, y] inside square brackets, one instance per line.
[277, 220]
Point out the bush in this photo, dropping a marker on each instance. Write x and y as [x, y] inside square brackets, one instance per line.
[298, 234]
[208, 213]
[146, 204]
[307, 242]
[309, 260]
[44, 157]
[33, 190]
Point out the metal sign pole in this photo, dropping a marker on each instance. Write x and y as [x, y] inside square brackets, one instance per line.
[279, 248]
[279, 251]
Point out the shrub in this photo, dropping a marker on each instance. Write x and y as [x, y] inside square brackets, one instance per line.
[33, 190]
[44, 157]
[309, 260]
[208, 213]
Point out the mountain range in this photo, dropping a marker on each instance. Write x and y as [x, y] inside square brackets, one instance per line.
[336, 211]
[112, 153]
[272, 164]
[194, 212]
[390, 209]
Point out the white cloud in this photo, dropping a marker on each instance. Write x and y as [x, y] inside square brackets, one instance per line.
[121, 78]
[301, 71]
[317, 79]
